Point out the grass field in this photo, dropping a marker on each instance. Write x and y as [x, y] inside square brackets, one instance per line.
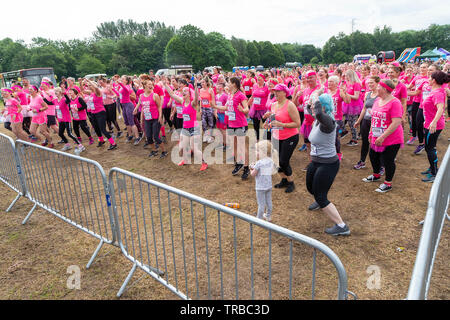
[35, 256]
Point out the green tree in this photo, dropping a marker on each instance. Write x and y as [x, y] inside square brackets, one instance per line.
[47, 56]
[219, 51]
[271, 56]
[89, 65]
[254, 58]
[242, 51]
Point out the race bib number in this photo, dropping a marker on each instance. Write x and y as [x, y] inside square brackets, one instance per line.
[219, 103]
[186, 117]
[59, 114]
[231, 115]
[147, 115]
[246, 88]
[104, 97]
[205, 102]
[90, 106]
[257, 101]
[179, 110]
[377, 131]
[75, 115]
[425, 95]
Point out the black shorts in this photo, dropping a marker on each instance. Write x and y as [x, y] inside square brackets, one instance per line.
[51, 120]
[240, 132]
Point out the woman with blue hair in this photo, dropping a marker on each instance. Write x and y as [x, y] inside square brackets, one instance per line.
[324, 164]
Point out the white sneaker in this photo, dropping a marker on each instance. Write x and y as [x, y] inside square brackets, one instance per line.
[66, 147]
[267, 217]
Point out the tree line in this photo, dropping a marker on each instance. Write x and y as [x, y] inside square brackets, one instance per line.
[129, 47]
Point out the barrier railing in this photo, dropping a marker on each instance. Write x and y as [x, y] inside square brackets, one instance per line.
[202, 250]
[431, 232]
[10, 173]
[72, 188]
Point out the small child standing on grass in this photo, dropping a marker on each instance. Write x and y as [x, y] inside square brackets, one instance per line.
[262, 170]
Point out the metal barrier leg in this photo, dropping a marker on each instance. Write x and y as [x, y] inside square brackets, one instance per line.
[95, 254]
[29, 214]
[13, 203]
[122, 289]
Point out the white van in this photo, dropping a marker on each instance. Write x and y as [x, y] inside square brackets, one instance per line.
[94, 77]
[175, 70]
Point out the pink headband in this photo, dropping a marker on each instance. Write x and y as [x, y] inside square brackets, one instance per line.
[310, 73]
[384, 85]
[262, 76]
[395, 64]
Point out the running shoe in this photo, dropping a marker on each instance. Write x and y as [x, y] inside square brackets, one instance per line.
[383, 188]
[352, 143]
[112, 147]
[338, 231]
[419, 149]
[44, 144]
[411, 140]
[343, 134]
[304, 147]
[67, 147]
[146, 144]
[267, 217]
[314, 206]
[163, 154]
[164, 139]
[290, 188]
[426, 172]
[91, 141]
[79, 140]
[119, 134]
[51, 145]
[237, 168]
[371, 178]
[360, 165]
[204, 166]
[137, 140]
[79, 149]
[382, 171]
[153, 154]
[100, 143]
[61, 142]
[129, 138]
[246, 173]
[181, 163]
[429, 178]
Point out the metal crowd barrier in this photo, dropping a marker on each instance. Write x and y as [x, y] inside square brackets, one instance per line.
[431, 232]
[199, 249]
[10, 173]
[72, 188]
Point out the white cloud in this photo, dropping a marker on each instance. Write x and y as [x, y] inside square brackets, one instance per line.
[280, 21]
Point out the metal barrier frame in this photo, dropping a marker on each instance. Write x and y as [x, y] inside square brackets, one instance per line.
[291, 235]
[48, 208]
[21, 190]
[431, 233]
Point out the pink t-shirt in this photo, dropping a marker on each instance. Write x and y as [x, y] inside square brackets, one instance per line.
[351, 89]
[189, 116]
[400, 91]
[77, 115]
[22, 98]
[36, 106]
[50, 96]
[418, 83]
[97, 103]
[406, 81]
[260, 96]
[426, 91]
[337, 101]
[221, 101]
[149, 107]
[178, 106]
[125, 92]
[282, 115]
[62, 111]
[236, 118]
[436, 97]
[108, 96]
[11, 106]
[382, 119]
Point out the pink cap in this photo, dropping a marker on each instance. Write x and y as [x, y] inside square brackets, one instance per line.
[395, 64]
[262, 76]
[16, 87]
[310, 73]
[7, 90]
[282, 87]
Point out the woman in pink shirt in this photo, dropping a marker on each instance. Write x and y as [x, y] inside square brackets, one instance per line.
[126, 93]
[433, 108]
[190, 134]
[386, 134]
[14, 111]
[98, 113]
[110, 103]
[352, 108]
[50, 98]
[258, 102]
[39, 120]
[221, 101]
[400, 91]
[407, 79]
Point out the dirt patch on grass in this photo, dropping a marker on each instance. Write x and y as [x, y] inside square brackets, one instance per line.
[35, 256]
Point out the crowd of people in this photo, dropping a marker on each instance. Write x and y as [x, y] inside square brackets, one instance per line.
[374, 103]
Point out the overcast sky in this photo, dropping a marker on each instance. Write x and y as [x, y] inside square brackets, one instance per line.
[306, 22]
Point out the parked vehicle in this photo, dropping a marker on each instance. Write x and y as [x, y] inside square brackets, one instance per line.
[175, 70]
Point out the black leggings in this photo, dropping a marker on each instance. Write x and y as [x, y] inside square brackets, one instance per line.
[152, 128]
[166, 114]
[414, 109]
[419, 125]
[8, 126]
[26, 124]
[387, 157]
[98, 121]
[365, 129]
[66, 126]
[178, 122]
[285, 150]
[83, 124]
[319, 179]
[111, 116]
[430, 148]
[256, 126]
